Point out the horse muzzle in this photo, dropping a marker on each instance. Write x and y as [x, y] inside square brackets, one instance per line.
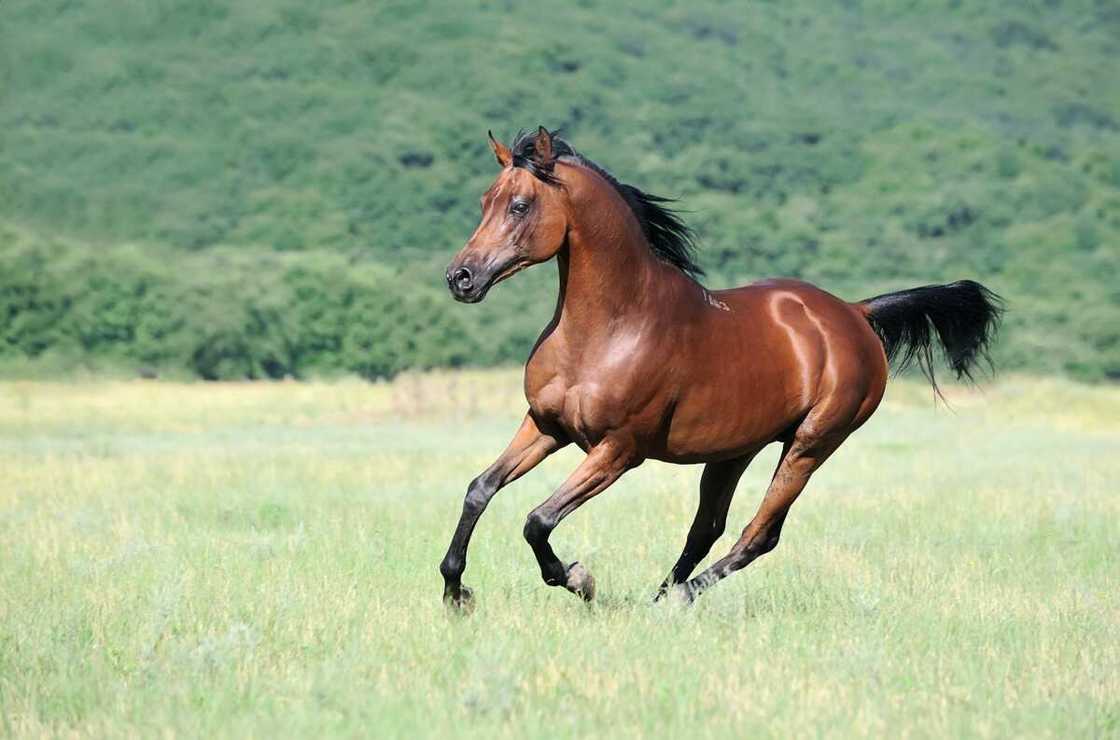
[469, 283]
[461, 283]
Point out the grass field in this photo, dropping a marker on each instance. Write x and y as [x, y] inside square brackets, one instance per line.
[261, 560]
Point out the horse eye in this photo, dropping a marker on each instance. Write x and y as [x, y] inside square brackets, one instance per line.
[520, 207]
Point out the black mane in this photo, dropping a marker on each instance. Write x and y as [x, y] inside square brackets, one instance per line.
[669, 238]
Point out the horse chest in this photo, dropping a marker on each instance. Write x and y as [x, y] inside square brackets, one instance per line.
[604, 389]
[560, 404]
[583, 410]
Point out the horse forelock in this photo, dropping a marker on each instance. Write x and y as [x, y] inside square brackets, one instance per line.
[668, 237]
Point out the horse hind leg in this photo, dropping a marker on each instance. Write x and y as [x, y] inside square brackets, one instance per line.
[717, 488]
[801, 457]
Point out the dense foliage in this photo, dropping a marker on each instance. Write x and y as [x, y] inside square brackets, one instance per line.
[298, 173]
[220, 314]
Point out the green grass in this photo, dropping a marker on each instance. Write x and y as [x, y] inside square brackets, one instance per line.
[246, 560]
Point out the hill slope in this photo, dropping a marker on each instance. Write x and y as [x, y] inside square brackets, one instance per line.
[857, 144]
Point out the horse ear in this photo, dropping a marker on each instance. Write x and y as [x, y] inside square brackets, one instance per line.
[542, 148]
[501, 151]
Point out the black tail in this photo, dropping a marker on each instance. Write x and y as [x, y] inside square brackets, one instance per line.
[965, 315]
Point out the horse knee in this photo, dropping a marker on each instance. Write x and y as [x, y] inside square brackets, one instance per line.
[538, 527]
[479, 493]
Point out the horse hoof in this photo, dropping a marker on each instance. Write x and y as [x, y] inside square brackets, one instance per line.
[460, 599]
[580, 582]
[680, 594]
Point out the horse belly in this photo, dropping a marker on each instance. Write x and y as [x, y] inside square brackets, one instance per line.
[720, 425]
[749, 394]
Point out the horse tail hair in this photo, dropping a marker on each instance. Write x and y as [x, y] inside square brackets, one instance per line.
[963, 317]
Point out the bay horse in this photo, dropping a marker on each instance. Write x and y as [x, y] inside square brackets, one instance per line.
[641, 361]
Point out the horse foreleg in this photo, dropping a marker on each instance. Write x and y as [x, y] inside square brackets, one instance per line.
[717, 488]
[529, 446]
[603, 465]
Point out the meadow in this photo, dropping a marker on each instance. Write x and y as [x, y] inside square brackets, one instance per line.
[260, 560]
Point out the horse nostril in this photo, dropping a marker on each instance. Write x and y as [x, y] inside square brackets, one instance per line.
[461, 280]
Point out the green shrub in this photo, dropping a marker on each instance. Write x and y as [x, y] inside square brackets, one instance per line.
[222, 315]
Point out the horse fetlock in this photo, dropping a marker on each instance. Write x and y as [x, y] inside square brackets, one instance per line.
[554, 574]
[451, 569]
[458, 597]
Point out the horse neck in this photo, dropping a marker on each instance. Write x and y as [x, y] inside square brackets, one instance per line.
[608, 274]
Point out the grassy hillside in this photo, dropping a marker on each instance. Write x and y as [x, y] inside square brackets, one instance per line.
[863, 145]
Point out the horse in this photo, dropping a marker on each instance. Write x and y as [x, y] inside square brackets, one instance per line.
[640, 361]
